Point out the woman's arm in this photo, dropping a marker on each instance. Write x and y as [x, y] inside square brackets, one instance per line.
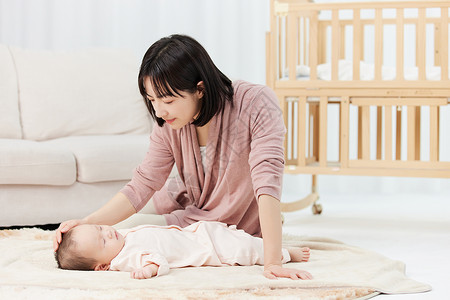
[270, 220]
[115, 210]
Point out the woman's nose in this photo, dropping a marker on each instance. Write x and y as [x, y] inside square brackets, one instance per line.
[159, 110]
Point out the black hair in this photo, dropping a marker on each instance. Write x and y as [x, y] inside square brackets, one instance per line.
[178, 63]
[68, 258]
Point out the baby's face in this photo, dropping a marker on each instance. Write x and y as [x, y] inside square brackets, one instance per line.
[100, 242]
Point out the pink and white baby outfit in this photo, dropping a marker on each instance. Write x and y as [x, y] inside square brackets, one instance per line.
[199, 244]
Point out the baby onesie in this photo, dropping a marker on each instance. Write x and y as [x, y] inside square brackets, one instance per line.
[199, 244]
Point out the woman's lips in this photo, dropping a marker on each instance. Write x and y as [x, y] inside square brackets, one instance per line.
[170, 121]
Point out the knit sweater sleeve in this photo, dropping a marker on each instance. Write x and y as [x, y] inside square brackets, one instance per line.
[267, 132]
[152, 173]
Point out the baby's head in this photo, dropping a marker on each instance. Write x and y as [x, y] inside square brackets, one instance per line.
[89, 247]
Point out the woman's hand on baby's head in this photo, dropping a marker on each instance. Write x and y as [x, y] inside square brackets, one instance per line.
[63, 228]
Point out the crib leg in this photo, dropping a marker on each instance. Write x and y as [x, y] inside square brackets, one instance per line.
[316, 207]
[311, 199]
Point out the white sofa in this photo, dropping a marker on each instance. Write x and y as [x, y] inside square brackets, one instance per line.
[73, 126]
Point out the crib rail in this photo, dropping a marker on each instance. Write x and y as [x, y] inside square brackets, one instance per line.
[386, 134]
[310, 35]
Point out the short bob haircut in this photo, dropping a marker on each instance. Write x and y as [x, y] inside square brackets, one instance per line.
[178, 63]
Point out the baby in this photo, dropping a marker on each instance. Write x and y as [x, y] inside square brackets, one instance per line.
[151, 250]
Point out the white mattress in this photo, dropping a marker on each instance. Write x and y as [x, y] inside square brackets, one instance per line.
[367, 72]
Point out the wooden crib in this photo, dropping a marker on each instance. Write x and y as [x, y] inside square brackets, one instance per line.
[348, 107]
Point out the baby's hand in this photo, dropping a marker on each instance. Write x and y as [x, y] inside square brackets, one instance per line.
[146, 272]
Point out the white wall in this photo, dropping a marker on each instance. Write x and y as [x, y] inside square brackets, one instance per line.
[233, 32]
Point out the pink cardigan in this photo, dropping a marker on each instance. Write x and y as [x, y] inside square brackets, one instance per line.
[244, 159]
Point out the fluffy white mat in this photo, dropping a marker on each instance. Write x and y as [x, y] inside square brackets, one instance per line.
[28, 270]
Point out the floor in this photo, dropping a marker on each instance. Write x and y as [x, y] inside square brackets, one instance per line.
[413, 228]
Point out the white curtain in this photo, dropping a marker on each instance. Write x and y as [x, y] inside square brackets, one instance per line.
[232, 31]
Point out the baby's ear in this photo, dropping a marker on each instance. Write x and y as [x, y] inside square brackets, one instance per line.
[102, 267]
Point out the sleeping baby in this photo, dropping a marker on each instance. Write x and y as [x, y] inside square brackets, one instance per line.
[151, 250]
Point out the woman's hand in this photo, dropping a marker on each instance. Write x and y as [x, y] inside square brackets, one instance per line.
[63, 228]
[274, 271]
[115, 210]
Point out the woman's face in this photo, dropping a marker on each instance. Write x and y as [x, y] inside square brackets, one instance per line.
[176, 110]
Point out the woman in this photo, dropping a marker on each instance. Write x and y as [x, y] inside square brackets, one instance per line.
[226, 140]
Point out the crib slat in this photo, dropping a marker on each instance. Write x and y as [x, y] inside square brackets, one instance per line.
[417, 133]
[356, 43]
[399, 37]
[309, 134]
[421, 44]
[444, 43]
[323, 131]
[388, 132]
[305, 40]
[378, 43]
[286, 42]
[300, 41]
[412, 137]
[312, 134]
[398, 135]
[365, 115]
[285, 108]
[379, 133]
[434, 133]
[279, 48]
[342, 40]
[335, 42]
[301, 113]
[313, 46]
[322, 42]
[316, 131]
[291, 45]
[437, 44]
[344, 132]
[294, 137]
[359, 131]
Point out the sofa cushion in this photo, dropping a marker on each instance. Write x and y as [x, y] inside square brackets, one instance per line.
[91, 92]
[9, 98]
[30, 162]
[105, 158]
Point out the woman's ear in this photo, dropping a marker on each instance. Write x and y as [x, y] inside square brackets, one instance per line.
[200, 89]
[102, 267]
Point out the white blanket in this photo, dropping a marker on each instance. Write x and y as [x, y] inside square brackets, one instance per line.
[28, 269]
